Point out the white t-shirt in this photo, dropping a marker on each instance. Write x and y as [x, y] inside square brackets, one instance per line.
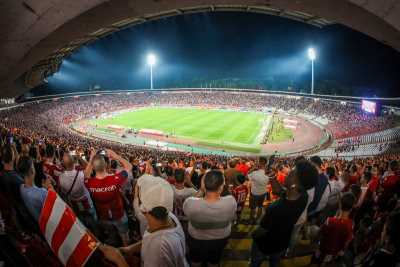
[180, 195]
[210, 221]
[336, 188]
[79, 191]
[259, 182]
[165, 248]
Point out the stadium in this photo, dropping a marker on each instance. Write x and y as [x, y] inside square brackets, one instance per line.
[265, 123]
[169, 133]
[228, 128]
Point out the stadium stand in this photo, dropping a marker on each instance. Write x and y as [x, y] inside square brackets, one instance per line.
[377, 143]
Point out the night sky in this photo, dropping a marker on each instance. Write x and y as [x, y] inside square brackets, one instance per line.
[199, 49]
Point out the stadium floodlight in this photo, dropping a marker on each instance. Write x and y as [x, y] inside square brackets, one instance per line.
[151, 60]
[312, 55]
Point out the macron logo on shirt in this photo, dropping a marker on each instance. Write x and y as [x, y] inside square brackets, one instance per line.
[110, 188]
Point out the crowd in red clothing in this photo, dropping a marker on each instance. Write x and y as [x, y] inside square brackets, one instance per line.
[157, 208]
[362, 195]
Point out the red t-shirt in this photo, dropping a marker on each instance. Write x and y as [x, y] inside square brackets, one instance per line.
[240, 193]
[353, 179]
[106, 195]
[53, 171]
[390, 182]
[373, 184]
[335, 234]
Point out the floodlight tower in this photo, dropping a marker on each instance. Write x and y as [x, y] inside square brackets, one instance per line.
[151, 60]
[312, 56]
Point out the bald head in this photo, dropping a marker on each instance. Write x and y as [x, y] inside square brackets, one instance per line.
[99, 163]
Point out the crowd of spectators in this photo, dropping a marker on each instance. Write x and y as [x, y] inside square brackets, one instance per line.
[182, 210]
[49, 119]
[155, 208]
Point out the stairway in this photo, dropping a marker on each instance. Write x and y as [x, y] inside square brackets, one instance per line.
[237, 252]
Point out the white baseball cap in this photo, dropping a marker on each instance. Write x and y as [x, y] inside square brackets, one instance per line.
[155, 192]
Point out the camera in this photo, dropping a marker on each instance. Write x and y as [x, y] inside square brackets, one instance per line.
[102, 152]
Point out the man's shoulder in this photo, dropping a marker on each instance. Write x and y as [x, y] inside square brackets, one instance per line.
[184, 192]
[11, 178]
[259, 173]
[229, 199]
[192, 200]
[10, 174]
[33, 191]
[188, 191]
[324, 177]
[253, 173]
[68, 174]
[93, 182]
[167, 236]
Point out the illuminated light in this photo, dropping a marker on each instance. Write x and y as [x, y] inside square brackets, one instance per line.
[151, 59]
[312, 55]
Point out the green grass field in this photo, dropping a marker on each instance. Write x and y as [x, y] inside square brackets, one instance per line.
[231, 130]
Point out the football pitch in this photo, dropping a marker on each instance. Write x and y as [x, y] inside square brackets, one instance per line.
[232, 130]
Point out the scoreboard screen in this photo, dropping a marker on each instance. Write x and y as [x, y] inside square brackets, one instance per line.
[370, 107]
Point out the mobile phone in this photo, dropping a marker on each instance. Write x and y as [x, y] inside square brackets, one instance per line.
[158, 165]
[72, 153]
[103, 152]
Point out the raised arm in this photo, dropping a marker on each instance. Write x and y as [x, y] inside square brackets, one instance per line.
[83, 163]
[126, 165]
[89, 167]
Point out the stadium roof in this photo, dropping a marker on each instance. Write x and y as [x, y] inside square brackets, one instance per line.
[37, 34]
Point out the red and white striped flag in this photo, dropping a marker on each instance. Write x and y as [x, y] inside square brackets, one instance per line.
[69, 239]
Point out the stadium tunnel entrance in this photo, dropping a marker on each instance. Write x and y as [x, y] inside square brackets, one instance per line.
[47, 31]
